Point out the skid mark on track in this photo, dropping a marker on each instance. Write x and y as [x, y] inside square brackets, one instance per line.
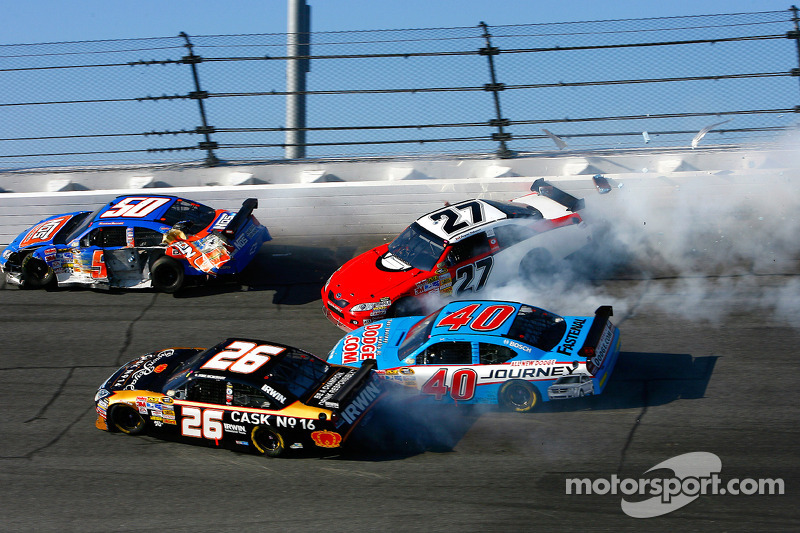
[635, 426]
[29, 455]
[129, 331]
[39, 415]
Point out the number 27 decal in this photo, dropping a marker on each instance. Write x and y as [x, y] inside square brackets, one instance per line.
[462, 388]
[473, 277]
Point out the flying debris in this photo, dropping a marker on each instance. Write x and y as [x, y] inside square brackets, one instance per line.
[702, 133]
[556, 139]
[601, 183]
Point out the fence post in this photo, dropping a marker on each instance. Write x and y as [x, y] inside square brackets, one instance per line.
[795, 34]
[501, 136]
[298, 49]
[198, 94]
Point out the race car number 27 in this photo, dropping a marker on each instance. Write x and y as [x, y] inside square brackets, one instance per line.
[462, 388]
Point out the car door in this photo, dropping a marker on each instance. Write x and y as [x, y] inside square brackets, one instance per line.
[470, 263]
[446, 371]
[92, 257]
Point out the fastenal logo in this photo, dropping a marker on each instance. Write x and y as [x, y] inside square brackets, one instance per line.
[694, 474]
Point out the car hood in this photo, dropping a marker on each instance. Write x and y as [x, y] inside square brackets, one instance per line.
[43, 232]
[148, 372]
[379, 340]
[371, 276]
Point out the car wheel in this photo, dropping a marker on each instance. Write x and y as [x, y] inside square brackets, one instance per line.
[581, 393]
[519, 396]
[536, 263]
[36, 274]
[167, 275]
[407, 306]
[126, 419]
[267, 441]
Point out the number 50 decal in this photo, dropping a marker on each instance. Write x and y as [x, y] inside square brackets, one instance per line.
[201, 424]
[463, 383]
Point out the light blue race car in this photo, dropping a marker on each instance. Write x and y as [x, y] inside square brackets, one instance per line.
[489, 352]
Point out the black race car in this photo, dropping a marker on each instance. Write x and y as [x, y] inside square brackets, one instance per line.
[242, 394]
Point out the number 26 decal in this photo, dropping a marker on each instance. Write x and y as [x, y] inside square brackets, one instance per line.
[242, 357]
[463, 383]
[201, 423]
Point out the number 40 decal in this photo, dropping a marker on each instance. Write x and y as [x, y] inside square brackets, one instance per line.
[463, 385]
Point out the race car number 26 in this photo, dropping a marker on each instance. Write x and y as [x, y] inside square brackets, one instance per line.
[462, 384]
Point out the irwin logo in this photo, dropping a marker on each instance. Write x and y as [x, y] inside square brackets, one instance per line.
[361, 403]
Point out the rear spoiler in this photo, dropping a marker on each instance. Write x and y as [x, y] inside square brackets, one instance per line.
[366, 369]
[544, 188]
[598, 326]
[248, 206]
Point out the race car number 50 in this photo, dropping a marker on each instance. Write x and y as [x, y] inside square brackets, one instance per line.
[463, 383]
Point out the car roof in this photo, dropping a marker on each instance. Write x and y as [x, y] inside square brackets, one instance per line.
[457, 221]
[260, 374]
[148, 207]
[494, 317]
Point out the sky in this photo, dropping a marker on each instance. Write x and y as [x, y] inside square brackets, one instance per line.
[40, 21]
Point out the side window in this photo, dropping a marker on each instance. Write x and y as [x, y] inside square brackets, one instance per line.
[494, 354]
[247, 396]
[106, 237]
[146, 237]
[207, 390]
[447, 353]
[468, 248]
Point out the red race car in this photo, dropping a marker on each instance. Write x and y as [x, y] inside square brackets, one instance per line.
[457, 249]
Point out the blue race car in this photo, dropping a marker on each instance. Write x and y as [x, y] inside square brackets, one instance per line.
[489, 352]
[135, 241]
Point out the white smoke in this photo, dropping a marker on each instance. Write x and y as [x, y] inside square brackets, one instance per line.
[699, 245]
[715, 243]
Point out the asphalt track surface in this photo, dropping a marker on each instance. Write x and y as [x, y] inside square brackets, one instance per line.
[681, 385]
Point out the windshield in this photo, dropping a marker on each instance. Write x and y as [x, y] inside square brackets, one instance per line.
[417, 335]
[537, 327]
[200, 215]
[299, 373]
[568, 379]
[417, 247]
[76, 226]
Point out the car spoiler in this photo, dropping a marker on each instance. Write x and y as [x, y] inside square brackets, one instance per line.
[596, 330]
[366, 369]
[248, 206]
[549, 190]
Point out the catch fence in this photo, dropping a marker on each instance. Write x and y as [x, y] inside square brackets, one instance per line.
[501, 91]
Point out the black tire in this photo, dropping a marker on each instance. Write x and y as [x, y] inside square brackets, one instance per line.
[267, 441]
[36, 274]
[126, 419]
[581, 394]
[536, 264]
[167, 275]
[519, 396]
